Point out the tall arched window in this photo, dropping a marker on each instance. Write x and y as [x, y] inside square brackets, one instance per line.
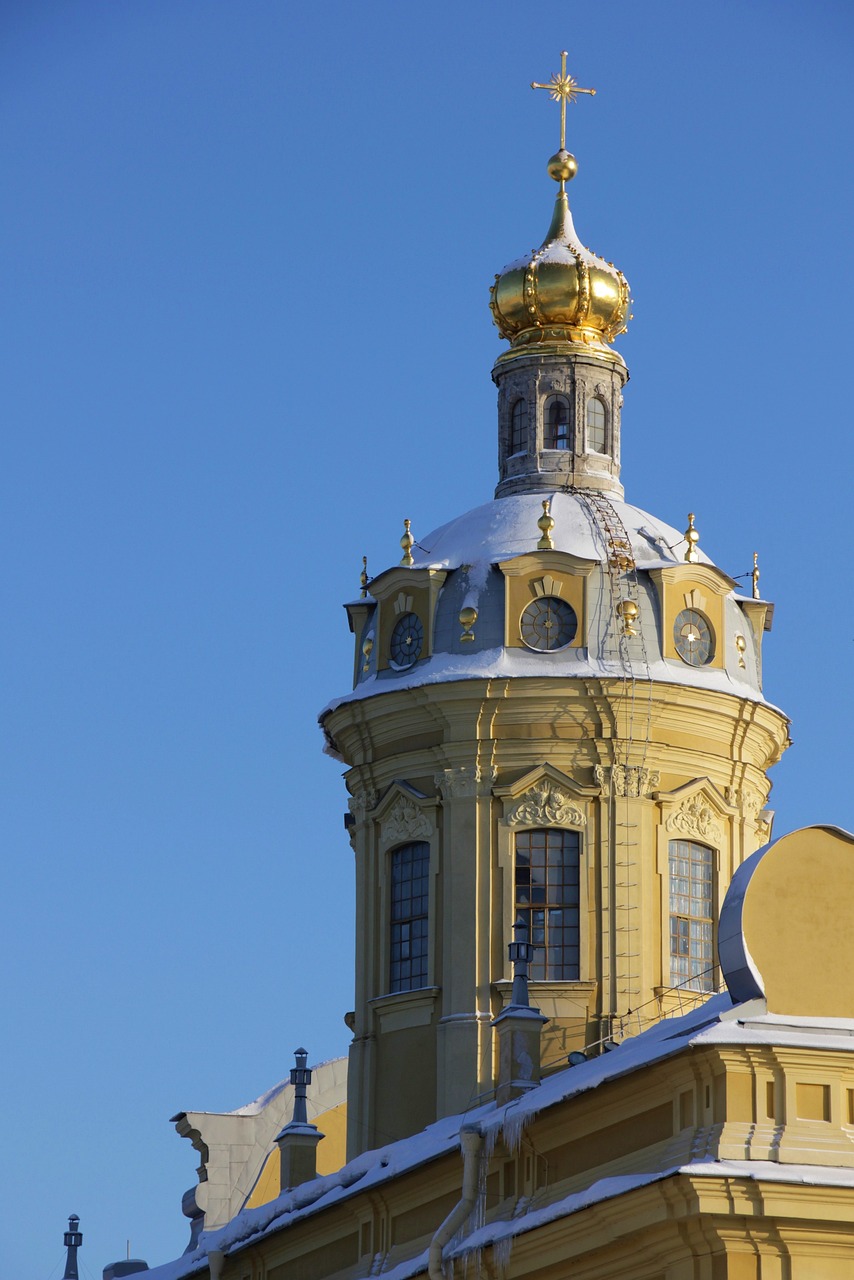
[556, 420]
[519, 427]
[547, 888]
[595, 426]
[410, 866]
[691, 929]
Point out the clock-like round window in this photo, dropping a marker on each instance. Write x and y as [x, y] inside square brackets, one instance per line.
[407, 640]
[548, 623]
[692, 636]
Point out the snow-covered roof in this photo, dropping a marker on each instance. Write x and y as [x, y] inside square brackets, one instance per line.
[507, 527]
[714, 1022]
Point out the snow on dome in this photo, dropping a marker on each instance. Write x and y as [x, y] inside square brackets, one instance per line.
[507, 527]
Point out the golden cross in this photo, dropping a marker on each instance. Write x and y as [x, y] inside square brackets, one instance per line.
[563, 89]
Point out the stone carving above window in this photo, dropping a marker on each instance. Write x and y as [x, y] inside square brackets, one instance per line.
[695, 817]
[631, 780]
[546, 806]
[405, 821]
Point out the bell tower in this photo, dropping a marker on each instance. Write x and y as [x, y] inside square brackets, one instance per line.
[557, 718]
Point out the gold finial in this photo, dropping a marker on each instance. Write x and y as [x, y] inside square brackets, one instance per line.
[741, 645]
[407, 542]
[367, 650]
[545, 524]
[563, 89]
[363, 577]
[628, 612]
[755, 576]
[468, 617]
[692, 537]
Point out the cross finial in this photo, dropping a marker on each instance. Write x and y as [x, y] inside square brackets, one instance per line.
[563, 89]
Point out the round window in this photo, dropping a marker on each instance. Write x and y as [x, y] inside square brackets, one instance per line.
[407, 640]
[692, 636]
[548, 623]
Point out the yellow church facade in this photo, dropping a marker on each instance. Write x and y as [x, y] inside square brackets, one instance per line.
[603, 1023]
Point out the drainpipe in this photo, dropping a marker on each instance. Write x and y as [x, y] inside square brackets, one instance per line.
[471, 1141]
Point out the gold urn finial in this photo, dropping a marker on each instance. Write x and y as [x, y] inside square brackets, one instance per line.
[468, 617]
[692, 537]
[563, 89]
[755, 576]
[407, 542]
[545, 524]
[363, 578]
[367, 650]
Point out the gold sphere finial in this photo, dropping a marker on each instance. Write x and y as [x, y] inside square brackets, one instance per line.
[692, 537]
[755, 576]
[562, 166]
[627, 611]
[407, 542]
[367, 650]
[741, 645]
[545, 524]
[468, 617]
[363, 577]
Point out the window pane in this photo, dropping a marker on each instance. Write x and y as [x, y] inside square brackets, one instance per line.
[410, 867]
[547, 876]
[595, 426]
[691, 927]
[519, 427]
[556, 416]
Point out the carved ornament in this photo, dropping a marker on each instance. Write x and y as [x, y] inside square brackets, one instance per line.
[695, 817]
[405, 821]
[546, 806]
[631, 780]
[465, 780]
[362, 799]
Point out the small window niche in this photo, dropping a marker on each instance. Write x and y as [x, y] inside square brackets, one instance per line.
[596, 420]
[519, 427]
[556, 423]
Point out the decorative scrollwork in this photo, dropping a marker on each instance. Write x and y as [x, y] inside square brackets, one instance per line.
[632, 780]
[546, 806]
[405, 821]
[695, 817]
[464, 780]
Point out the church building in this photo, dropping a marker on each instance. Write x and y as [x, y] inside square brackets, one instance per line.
[603, 1022]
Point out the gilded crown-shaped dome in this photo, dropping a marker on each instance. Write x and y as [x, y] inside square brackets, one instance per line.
[560, 292]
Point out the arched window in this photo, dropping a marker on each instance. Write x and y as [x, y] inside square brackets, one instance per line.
[691, 929]
[547, 887]
[408, 938]
[556, 418]
[519, 427]
[595, 426]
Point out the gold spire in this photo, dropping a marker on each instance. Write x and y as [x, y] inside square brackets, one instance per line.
[755, 576]
[563, 89]
[692, 537]
[363, 578]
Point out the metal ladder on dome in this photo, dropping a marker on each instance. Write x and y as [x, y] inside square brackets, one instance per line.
[637, 715]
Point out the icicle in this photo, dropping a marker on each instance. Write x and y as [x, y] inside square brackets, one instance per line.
[515, 1124]
[501, 1250]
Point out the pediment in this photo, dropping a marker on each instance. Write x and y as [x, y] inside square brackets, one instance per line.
[547, 773]
[697, 810]
[404, 814]
[545, 797]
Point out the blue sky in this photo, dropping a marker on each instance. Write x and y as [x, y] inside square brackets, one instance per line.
[246, 252]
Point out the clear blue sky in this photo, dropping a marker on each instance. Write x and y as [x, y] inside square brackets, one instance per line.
[246, 251]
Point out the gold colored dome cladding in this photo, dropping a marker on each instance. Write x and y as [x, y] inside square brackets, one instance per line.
[561, 288]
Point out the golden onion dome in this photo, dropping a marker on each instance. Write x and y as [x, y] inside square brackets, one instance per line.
[560, 292]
